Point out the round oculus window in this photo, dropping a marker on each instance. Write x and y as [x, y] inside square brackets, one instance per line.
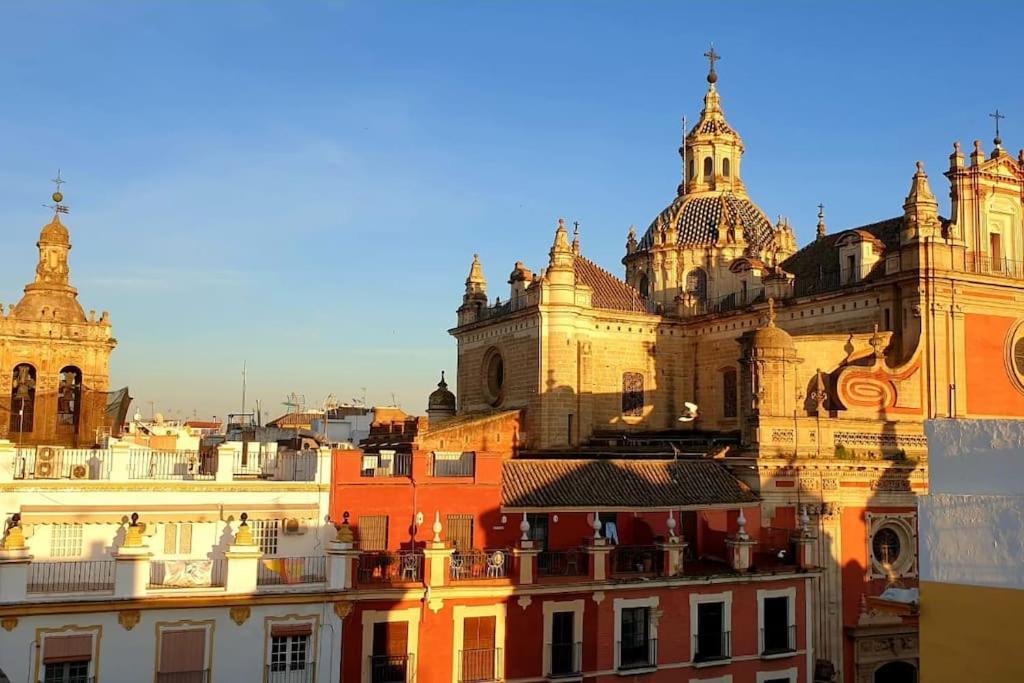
[494, 376]
[1013, 356]
[886, 546]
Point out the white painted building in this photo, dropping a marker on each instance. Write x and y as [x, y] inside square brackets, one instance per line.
[230, 571]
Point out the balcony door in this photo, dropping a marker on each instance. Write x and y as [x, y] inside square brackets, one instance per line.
[776, 626]
[710, 632]
[996, 251]
[635, 646]
[563, 645]
[390, 660]
[182, 656]
[478, 649]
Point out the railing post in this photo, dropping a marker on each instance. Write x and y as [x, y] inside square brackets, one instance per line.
[242, 557]
[226, 461]
[740, 546]
[673, 561]
[599, 559]
[526, 558]
[341, 558]
[120, 454]
[131, 563]
[14, 562]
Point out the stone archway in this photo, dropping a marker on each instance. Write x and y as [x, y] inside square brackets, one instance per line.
[895, 672]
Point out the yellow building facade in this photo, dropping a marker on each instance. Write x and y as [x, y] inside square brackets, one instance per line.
[813, 369]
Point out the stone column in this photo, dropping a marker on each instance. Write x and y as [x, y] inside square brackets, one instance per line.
[599, 559]
[120, 453]
[435, 555]
[740, 546]
[526, 559]
[131, 568]
[806, 543]
[673, 550]
[226, 462]
[243, 557]
[14, 563]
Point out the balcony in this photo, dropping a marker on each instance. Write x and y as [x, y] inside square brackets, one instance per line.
[479, 564]
[637, 560]
[170, 465]
[390, 668]
[565, 660]
[778, 641]
[276, 673]
[280, 465]
[202, 676]
[75, 576]
[62, 463]
[479, 665]
[389, 465]
[178, 574]
[441, 465]
[711, 647]
[574, 562]
[382, 567]
[281, 571]
[999, 267]
[638, 653]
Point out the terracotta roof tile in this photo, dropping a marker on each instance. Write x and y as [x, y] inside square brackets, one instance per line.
[589, 484]
[609, 291]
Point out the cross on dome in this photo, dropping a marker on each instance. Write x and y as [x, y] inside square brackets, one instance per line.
[712, 58]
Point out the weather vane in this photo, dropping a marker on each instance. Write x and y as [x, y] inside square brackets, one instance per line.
[57, 196]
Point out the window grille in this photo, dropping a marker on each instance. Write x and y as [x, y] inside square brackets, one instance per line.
[265, 533]
[66, 540]
[632, 394]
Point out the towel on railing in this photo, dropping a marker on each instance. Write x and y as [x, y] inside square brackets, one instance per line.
[288, 568]
[188, 573]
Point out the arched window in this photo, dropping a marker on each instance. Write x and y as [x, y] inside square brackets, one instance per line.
[23, 398]
[709, 166]
[632, 394]
[69, 396]
[725, 167]
[729, 392]
[644, 286]
[697, 283]
[691, 169]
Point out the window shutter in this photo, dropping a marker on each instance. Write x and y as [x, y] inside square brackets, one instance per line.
[58, 649]
[170, 539]
[185, 542]
[373, 532]
[460, 532]
[183, 651]
[287, 630]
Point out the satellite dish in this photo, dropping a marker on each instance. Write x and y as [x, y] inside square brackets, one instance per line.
[690, 412]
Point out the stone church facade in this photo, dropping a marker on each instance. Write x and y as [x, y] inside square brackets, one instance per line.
[816, 366]
[54, 360]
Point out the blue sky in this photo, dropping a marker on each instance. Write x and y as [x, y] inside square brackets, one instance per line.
[302, 185]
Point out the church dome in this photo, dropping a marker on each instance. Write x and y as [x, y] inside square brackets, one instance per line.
[700, 219]
[441, 400]
[55, 232]
[773, 338]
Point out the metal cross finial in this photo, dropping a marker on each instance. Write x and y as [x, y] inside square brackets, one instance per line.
[821, 210]
[576, 227]
[998, 140]
[712, 56]
[57, 195]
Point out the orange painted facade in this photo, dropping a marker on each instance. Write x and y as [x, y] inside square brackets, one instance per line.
[990, 391]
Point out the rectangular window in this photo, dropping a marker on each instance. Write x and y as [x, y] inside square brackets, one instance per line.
[182, 656]
[538, 530]
[265, 533]
[995, 241]
[632, 394]
[729, 393]
[711, 639]
[373, 532]
[460, 532]
[778, 635]
[390, 659]
[565, 658]
[851, 269]
[635, 647]
[178, 539]
[289, 650]
[66, 540]
[609, 526]
[479, 655]
[66, 658]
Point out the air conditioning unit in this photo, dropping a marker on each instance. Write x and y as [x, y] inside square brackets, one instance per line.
[49, 463]
[293, 527]
[80, 471]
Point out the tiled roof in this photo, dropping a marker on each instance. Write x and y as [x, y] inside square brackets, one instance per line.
[609, 291]
[697, 219]
[293, 419]
[589, 484]
[817, 266]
